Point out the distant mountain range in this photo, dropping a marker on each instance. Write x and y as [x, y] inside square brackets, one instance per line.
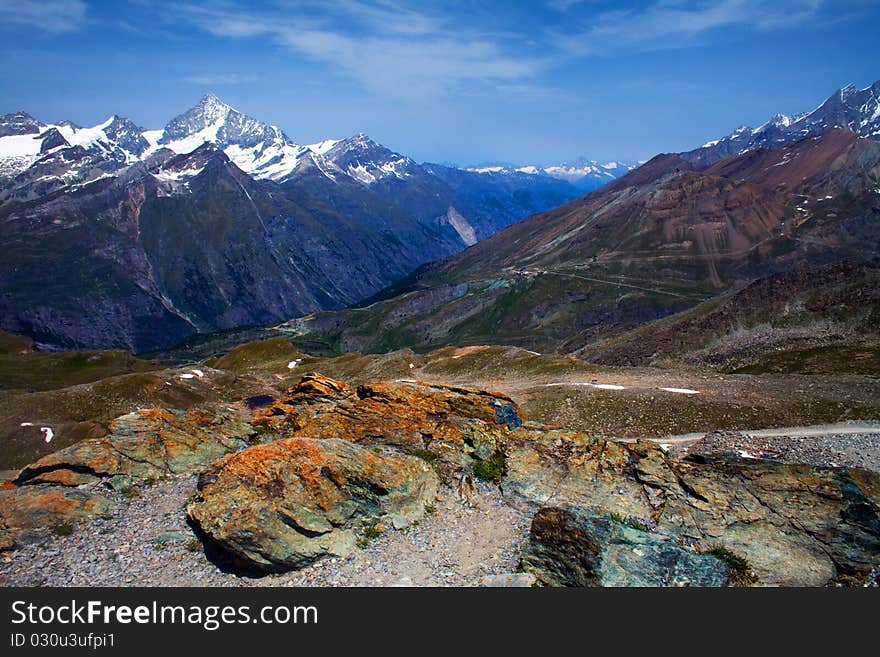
[586, 175]
[677, 231]
[116, 236]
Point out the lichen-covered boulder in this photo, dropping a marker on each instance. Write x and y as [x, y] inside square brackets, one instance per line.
[146, 443]
[450, 426]
[284, 504]
[32, 514]
[796, 525]
[573, 548]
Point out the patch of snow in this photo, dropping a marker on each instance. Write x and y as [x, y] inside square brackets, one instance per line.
[26, 424]
[187, 375]
[599, 386]
[682, 391]
[323, 146]
[20, 145]
[198, 373]
[48, 434]
[173, 176]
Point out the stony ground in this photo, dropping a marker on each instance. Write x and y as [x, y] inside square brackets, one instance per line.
[830, 450]
[147, 542]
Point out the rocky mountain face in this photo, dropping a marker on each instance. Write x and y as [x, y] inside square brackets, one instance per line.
[219, 221]
[666, 237]
[851, 108]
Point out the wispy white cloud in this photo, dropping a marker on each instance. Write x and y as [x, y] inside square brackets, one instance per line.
[387, 48]
[55, 16]
[675, 24]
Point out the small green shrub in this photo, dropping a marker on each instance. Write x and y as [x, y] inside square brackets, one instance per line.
[130, 492]
[63, 528]
[490, 470]
[371, 532]
[738, 568]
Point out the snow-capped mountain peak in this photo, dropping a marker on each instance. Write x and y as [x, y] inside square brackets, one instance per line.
[849, 107]
[368, 161]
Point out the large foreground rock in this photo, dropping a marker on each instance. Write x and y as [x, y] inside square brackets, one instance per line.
[285, 504]
[32, 514]
[146, 443]
[451, 426]
[571, 548]
[797, 525]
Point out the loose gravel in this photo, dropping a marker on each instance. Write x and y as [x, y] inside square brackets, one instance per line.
[146, 541]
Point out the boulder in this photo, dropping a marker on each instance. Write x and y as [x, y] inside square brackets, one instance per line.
[452, 427]
[796, 525]
[283, 505]
[32, 514]
[146, 443]
[575, 548]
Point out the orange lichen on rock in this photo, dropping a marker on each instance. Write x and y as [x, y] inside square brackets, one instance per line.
[454, 425]
[145, 443]
[284, 504]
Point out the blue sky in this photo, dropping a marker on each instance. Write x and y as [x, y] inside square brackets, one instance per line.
[455, 81]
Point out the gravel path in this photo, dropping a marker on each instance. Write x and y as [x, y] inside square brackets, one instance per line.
[147, 542]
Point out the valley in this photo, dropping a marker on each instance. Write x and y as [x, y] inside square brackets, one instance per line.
[249, 362]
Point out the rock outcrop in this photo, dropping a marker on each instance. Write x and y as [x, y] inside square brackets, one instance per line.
[285, 504]
[59, 489]
[452, 427]
[572, 548]
[146, 443]
[796, 525]
[32, 514]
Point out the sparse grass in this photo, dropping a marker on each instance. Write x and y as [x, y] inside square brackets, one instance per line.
[490, 470]
[739, 568]
[430, 509]
[629, 521]
[193, 545]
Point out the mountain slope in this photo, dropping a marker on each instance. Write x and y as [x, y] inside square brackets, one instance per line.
[218, 221]
[806, 320]
[663, 238]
